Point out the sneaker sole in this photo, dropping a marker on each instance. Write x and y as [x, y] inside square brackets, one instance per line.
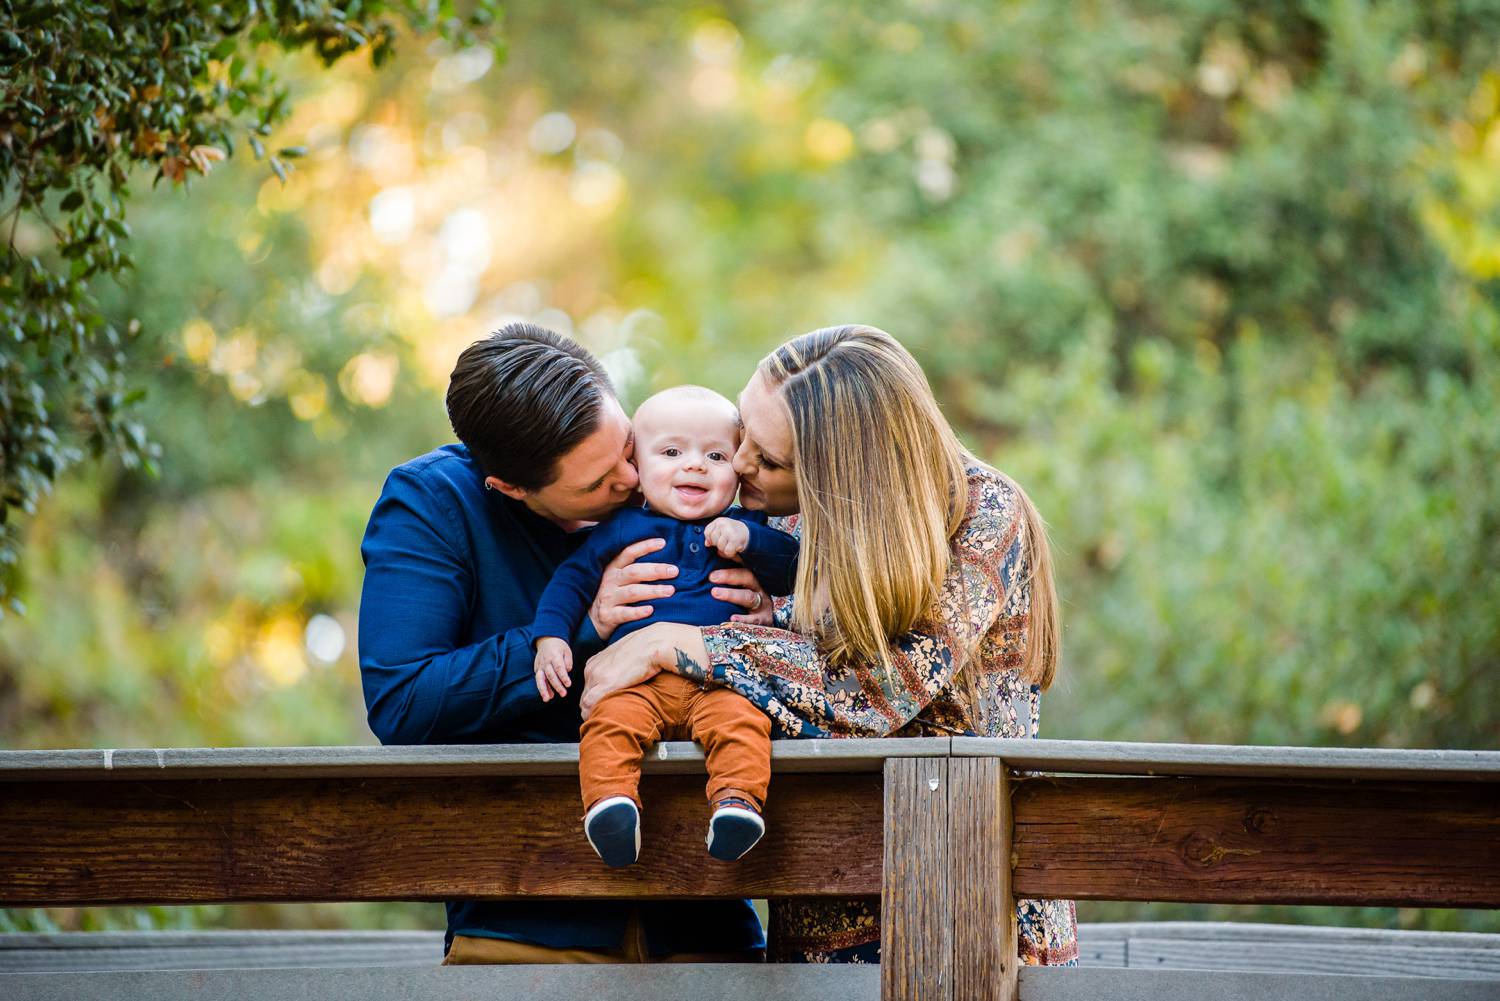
[733, 832]
[614, 832]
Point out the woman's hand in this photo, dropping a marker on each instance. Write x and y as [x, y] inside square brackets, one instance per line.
[739, 587]
[640, 657]
[625, 581]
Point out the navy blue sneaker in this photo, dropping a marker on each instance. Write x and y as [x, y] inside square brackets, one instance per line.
[734, 829]
[613, 827]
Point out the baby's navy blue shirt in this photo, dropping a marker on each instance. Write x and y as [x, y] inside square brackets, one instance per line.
[770, 555]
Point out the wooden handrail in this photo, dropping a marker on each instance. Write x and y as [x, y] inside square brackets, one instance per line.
[863, 755]
[948, 831]
[1086, 757]
[1101, 757]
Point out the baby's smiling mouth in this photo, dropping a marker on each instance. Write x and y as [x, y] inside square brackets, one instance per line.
[691, 491]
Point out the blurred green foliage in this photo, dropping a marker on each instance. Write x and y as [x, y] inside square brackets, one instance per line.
[1215, 282]
[92, 92]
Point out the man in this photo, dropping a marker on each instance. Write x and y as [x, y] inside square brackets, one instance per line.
[457, 552]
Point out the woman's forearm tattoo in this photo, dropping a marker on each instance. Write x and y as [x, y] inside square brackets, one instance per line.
[690, 668]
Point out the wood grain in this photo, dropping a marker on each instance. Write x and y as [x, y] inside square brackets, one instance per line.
[1305, 957]
[985, 956]
[856, 754]
[1152, 945]
[916, 907]
[78, 952]
[616, 982]
[1237, 841]
[675, 757]
[202, 841]
[1058, 983]
[1322, 936]
[1108, 757]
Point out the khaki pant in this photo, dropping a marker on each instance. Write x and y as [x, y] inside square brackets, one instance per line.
[476, 950]
[735, 735]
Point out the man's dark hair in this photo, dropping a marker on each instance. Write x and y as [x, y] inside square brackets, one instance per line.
[522, 398]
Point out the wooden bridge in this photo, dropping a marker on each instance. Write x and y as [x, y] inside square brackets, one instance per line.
[946, 831]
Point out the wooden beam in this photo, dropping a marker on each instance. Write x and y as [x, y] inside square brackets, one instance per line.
[85, 952]
[1152, 945]
[1101, 757]
[1057, 983]
[1318, 936]
[207, 841]
[200, 825]
[864, 754]
[985, 954]
[1430, 844]
[1083, 757]
[916, 905]
[1309, 957]
[618, 982]
[678, 757]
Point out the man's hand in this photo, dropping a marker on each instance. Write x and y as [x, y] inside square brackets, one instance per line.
[739, 587]
[728, 536]
[624, 582]
[553, 666]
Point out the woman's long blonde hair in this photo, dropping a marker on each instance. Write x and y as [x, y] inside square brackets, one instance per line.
[883, 487]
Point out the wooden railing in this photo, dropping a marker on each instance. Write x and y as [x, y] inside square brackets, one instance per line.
[948, 832]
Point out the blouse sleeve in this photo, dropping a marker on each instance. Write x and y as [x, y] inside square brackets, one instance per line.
[784, 674]
[781, 605]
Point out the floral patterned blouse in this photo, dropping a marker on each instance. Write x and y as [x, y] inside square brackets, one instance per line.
[980, 609]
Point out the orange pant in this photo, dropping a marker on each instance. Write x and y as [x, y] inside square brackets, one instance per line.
[735, 735]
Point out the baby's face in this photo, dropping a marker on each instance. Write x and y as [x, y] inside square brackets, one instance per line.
[683, 446]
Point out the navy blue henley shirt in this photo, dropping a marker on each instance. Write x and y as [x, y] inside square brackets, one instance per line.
[770, 554]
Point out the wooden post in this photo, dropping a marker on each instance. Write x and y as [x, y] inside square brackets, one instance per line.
[916, 902]
[985, 953]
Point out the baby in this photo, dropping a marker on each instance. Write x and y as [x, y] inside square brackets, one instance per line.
[684, 440]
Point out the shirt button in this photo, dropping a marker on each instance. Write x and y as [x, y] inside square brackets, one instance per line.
[698, 529]
[692, 547]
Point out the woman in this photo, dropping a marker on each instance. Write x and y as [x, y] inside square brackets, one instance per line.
[925, 601]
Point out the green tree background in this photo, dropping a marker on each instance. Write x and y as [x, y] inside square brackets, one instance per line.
[1216, 282]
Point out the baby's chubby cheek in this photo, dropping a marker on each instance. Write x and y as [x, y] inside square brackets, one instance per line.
[655, 485]
[724, 490]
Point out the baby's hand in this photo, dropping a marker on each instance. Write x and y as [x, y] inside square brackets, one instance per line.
[553, 666]
[728, 536]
